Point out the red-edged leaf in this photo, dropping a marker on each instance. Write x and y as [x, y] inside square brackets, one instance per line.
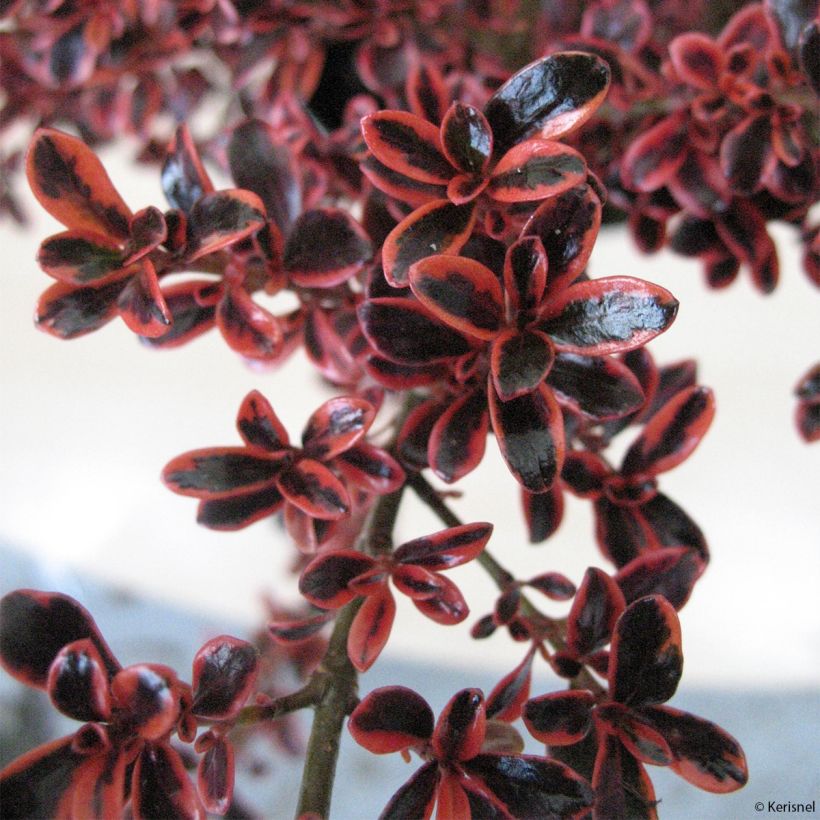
[100, 788]
[555, 585]
[371, 629]
[622, 786]
[407, 144]
[224, 674]
[551, 96]
[530, 786]
[325, 248]
[416, 797]
[461, 292]
[447, 607]
[217, 472]
[598, 604]
[507, 699]
[622, 532]
[525, 276]
[215, 776]
[751, 25]
[80, 257]
[670, 572]
[324, 581]
[520, 361]
[530, 434]
[78, 682]
[142, 304]
[398, 185]
[326, 349]
[314, 489]
[745, 152]
[451, 799]
[460, 729]
[35, 626]
[390, 719]
[72, 185]
[38, 784]
[184, 179]
[426, 92]
[743, 229]
[699, 186]
[610, 315]
[148, 229]
[263, 164]
[536, 169]
[416, 582]
[656, 155]
[67, 312]
[584, 473]
[259, 425]
[434, 228]
[222, 218]
[543, 512]
[671, 435]
[809, 51]
[370, 468]
[705, 755]
[670, 526]
[404, 332]
[647, 661]
[458, 437]
[466, 138]
[560, 718]
[303, 629]
[336, 426]
[567, 226]
[415, 433]
[149, 695]
[640, 738]
[698, 60]
[240, 509]
[465, 187]
[445, 549]
[162, 786]
[191, 313]
[601, 388]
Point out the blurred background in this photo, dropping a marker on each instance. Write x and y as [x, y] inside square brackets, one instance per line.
[87, 425]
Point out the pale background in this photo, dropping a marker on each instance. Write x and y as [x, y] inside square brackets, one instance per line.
[87, 425]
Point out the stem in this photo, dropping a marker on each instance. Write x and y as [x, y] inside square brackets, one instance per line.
[308, 695]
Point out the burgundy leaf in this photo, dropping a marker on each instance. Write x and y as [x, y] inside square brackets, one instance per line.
[525, 276]
[656, 155]
[67, 312]
[215, 776]
[287, 632]
[184, 179]
[543, 512]
[80, 257]
[554, 585]
[610, 315]
[744, 153]
[622, 786]
[314, 489]
[646, 660]
[391, 719]
[621, 532]
[669, 572]
[427, 94]
[598, 604]
[536, 169]
[149, 695]
[148, 230]
[458, 438]
[416, 582]
[398, 185]
[78, 682]
[584, 473]
[239, 510]
[530, 433]
[336, 426]
[416, 797]
[697, 59]
[191, 315]
[640, 738]
[162, 787]
[415, 434]
[371, 629]
[248, 328]
[447, 607]
[466, 138]
[460, 729]
[326, 349]
[465, 187]
[324, 581]
[100, 787]
[447, 548]
[551, 96]
[35, 626]
[670, 526]
[507, 699]
[743, 230]
[371, 468]
[224, 675]
[520, 361]
[222, 218]
[259, 425]
[142, 304]
[434, 228]
[809, 49]
[560, 718]
[325, 248]
[72, 185]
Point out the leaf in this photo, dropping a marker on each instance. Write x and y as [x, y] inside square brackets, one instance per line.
[191, 315]
[656, 155]
[670, 572]
[622, 786]
[370, 468]
[551, 96]
[240, 509]
[398, 185]
[743, 229]
[445, 549]
[458, 437]
[519, 361]
[467, 139]
[149, 695]
[184, 179]
[698, 60]
[622, 533]
[598, 604]
[416, 797]
[80, 257]
[745, 153]
[447, 607]
[141, 303]
[222, 218]
[72, 185]
[525, 276]
[460, 729]
[224, 675]
[636, 733]
[426, 92]
[543, 512]
[390, 719]
[68, 312]
[78, 682]
[162, 786]
[560, 718]
[336, 426]
[259, 425]
[506, 700]
[215, 776]
[314, 489]
[371, 628]
[324, 581]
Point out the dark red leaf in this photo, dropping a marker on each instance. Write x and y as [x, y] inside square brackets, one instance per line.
[326, 349]
[656, 155]
[215, 776]
[465, 187]
[162, 787]
[142, 304]
[371, 629]
[670, 572]
[184, 179]
[640, 738]
[259, 425]
[536, 169]
[447, 548]
[622, 786]
[671, 435]
[520, 361]
[750, 25]
[148, 230]
[416, 797]
[525, 276]
[610, 315]
[427, 94]
[543, 512]
[72, 185]
[80, 257]
[621, 532]
[78, 682]
[530, 434]
[398, 185]
[415, 434]
[336, 426]
[698, 60]
[371, 468]
[435, 228]
[560, 718]
[35, 626]
[670, 526]
[460, 729]
[191, 315]
[324, 581]
[67, 312]
[507, 699]
[391, 719]
[100, 787]
[458, 437]
[743, 229]
[222, 218]
[699, 186]
[584, 473]
[239, 510]
[265, 165]
[291, 632]
[551, 96]
[745, 152]
[598, 604]
[647, 661]
[224, 674]
[809, 50]
[554, 585]
[325, 248]
[447, 607]
[404, 332]
[705, 755]
[416, 582]
[149, 695]
[466, 138]
[314, 489]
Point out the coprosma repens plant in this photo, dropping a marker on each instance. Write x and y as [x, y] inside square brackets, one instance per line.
[427, 181]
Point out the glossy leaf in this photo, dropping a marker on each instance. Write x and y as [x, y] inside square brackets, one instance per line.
[71, 184]
[398, 185]
[669, 572]
[520, 361]
[78, 682]
[435, 228]
[390, 719]
[184, 179]
[459, 732]
[647, 660]
[162, 786]
[656, 155]
[80, 257]
[525, 276]
[543, 512]
[560, 718]
[324, 581]
[467, 139]
[552, 96]
[68, 312]
[371, 629]
[314, 489]
[215, 776]
[259, 425]
[598, 604]
[239, 510]
[149, 695]
[224, 674]
[507, 698]
[445, 549]
[336, 426]
[458, 437]
[370, 468]
[216, 472]
[222, 218]
[416, 797]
